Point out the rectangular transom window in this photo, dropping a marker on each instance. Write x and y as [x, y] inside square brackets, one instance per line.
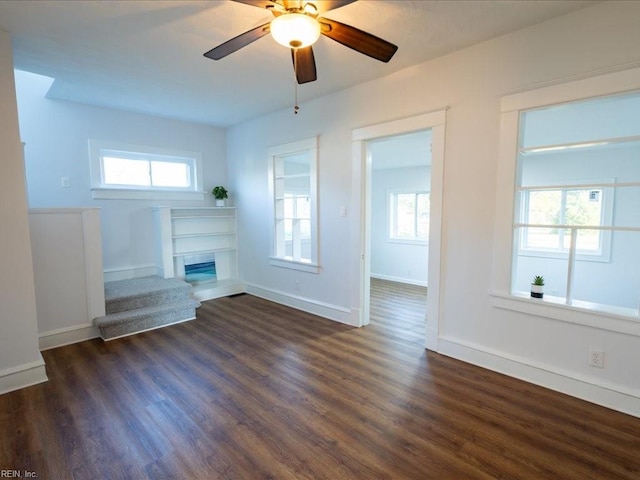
[130, 171]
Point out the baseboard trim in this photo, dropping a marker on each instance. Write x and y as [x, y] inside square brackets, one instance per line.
[390, 278]
[325, 310]
[22, 376]
[615, 397]
[126, 273]
[67, 336]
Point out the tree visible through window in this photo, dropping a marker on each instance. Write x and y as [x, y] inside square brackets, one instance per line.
[409, 216]
[571, 207]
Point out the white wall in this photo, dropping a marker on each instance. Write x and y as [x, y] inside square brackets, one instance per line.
[402, 262]
[20, 361]
[56, 135]
[471, 82]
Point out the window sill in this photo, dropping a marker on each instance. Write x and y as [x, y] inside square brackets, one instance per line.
[615, 319]
[406, 241]
[294, 265]
[132, 194]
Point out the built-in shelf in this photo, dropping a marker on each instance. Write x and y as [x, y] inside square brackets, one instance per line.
[193, 235]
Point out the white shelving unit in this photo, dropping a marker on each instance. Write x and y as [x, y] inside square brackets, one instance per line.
[200, 232]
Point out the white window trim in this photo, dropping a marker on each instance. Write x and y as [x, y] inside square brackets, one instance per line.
[391, 215]
[604, 255]
[307, 145]
[616, 320]
[101, 191]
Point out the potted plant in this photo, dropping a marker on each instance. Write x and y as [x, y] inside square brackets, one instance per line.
[537, 286]
[220, 193]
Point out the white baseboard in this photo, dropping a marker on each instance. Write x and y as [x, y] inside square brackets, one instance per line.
[322, 309]
[616, 397]
[67, 336]
[22, 376]
[126, 273]
[410, 281]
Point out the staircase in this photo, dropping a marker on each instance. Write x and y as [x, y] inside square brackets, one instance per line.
[140, 304]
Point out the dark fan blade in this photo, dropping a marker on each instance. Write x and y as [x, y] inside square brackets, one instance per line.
[326, 5]
[258, 3]
[304, 64]
[238, 42]
[358, 40]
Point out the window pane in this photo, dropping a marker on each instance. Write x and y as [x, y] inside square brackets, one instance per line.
[544, 207]
[170, 174]
[125, 171]
[588, 241]
[305, 229]
[405, 215]
[303, 207]
[583, 207]
[288, 229]
[541, 238]
[424, 207]
[288, 206]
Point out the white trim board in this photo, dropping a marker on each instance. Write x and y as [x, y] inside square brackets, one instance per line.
[615, 397]
[391, 278]
[321, 309]
[22, 376]
[67, 336]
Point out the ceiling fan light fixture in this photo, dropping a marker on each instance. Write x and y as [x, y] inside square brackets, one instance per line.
[295, 30]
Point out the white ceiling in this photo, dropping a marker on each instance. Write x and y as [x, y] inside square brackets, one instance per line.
[147, 56]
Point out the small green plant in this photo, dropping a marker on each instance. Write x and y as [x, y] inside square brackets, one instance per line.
[538, 280]
[220, 193]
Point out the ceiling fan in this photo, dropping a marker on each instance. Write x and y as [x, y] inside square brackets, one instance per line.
[297, 25]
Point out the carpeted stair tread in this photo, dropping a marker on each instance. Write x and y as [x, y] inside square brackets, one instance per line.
[141, 304]
[132, 294]
[130, 315]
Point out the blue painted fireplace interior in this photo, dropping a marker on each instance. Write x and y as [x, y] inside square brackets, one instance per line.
[200, 268]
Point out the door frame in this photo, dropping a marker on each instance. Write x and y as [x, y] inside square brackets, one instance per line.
[361, 201]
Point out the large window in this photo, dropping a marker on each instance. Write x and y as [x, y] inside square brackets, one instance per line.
[292, 177]
[131, 171]
[409, 217]
[575, 217]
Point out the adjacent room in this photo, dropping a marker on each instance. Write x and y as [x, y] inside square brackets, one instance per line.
[400, 242]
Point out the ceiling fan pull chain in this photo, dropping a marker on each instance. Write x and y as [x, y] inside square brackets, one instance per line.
[296, 107]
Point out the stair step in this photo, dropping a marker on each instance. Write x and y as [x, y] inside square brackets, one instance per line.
[131, 294]
[125, 323]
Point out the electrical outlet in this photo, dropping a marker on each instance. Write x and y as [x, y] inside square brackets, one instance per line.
[296, 285]
[596, 358]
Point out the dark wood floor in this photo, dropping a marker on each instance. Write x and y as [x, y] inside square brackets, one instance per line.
[254, 390]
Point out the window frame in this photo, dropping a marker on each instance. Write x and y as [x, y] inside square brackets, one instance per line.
[392, 205]
[606, 220]
[310, 147]
[609, 318]
[99, 149]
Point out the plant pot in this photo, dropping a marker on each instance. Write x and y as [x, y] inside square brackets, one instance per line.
[220, 202]
[537, 291]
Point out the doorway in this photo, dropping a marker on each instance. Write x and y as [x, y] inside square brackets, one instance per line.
[363, 138]
[399, 231]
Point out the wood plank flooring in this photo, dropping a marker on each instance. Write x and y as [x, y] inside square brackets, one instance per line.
[255, 390]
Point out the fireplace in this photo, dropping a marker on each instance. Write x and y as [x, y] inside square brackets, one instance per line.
[200, 268]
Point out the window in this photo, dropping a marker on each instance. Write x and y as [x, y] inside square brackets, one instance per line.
[130, 171]
[292, 176]
[548, 216]
[567, 203]
[409, 216]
